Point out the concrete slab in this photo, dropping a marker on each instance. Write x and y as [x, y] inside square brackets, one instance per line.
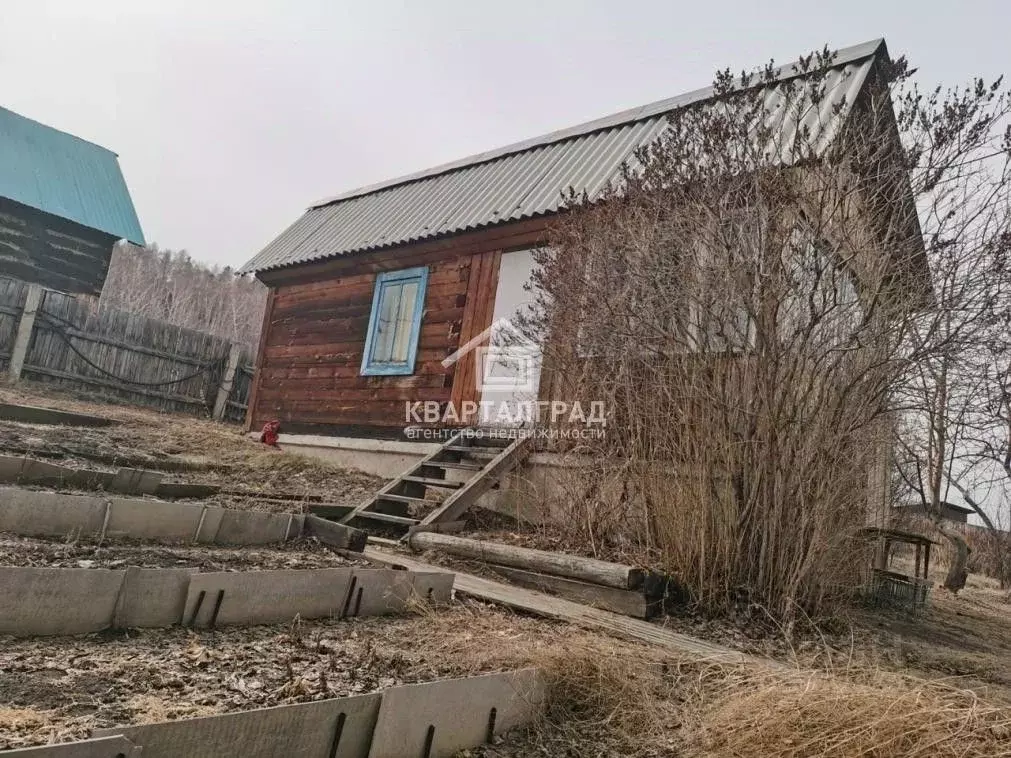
[307, 730]
[101, 747]
[252, 528]
[265, 597]
[334, 534]
[136, 481]
[51, 601]
[457, 712]
[10, 467]
[210, 523]
[49, 514]
[42, 472]
[30, 471]
[435, 587]
[33, 414]
[152, 597]
[378, 592]
[153, 520]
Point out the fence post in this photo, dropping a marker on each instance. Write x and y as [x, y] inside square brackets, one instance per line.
[24, 335]
[227, 382]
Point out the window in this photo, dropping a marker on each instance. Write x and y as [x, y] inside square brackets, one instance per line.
[392, 341]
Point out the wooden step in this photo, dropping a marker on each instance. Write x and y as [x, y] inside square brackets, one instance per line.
[465, 465]
[386, 518]
[405, 499]
[457, 502]
[476, 452]
[428, 482]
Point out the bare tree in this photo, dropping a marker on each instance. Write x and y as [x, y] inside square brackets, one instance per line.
[754, 305]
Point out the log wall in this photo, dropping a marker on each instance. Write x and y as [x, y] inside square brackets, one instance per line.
[308, 372]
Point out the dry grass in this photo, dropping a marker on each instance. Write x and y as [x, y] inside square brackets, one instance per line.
[888, 715]
[609, 698]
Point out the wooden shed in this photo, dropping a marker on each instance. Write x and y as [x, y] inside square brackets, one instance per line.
[374, 292]
[63, 205]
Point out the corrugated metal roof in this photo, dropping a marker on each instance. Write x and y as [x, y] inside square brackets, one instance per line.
[67, 176]
[528, 178]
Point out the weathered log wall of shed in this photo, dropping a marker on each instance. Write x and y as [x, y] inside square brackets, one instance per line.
[308, 372]
[54, 252]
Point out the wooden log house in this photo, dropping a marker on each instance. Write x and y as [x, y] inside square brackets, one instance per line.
[442, 254]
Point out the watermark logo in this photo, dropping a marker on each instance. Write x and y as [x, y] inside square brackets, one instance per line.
[505, 359]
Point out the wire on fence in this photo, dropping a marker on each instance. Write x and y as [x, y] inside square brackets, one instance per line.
[53, 323]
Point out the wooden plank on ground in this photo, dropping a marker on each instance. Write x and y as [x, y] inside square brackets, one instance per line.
[625, 602]
[580, 615]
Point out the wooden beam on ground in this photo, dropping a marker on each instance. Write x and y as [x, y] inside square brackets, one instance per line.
[583, 616]
[625, 602]
[589, 570]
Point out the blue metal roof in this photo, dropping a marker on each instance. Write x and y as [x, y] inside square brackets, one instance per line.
[64, 175]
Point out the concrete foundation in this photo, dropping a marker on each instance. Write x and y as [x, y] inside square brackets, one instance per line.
[528, 493]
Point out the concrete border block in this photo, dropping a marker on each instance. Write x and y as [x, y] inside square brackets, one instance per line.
[335, 535]
[153, 520]
[265, 597]
[48, 514]
[255, 528]
[305, 730]
[52, 601]
[115, 746]
[210, 522]
[136, 481]
[33, 414]
[455, 714]
[151, 597]
[434, 587]
[378, 592]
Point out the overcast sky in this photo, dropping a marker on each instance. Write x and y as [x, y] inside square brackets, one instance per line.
[231, 116]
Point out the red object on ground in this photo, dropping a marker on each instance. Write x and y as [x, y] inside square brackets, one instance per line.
[270, 432]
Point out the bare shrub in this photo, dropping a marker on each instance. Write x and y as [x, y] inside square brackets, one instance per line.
[991, 554]
[748, 304]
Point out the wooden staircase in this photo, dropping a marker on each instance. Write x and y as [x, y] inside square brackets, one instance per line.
[426, 495]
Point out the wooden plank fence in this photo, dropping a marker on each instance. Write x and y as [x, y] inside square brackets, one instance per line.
[71, 342]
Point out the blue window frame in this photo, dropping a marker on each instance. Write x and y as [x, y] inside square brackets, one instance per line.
[392, 341]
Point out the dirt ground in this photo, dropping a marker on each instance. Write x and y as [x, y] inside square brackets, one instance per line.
[82, 553]
[872, 683]
[187, 449]
[59, 689]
